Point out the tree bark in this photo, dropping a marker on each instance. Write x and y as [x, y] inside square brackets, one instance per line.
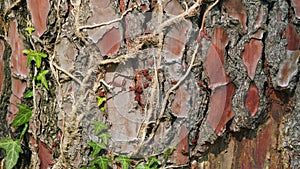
[218, 81]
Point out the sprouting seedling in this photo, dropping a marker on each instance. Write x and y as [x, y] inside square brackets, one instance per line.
[168, 152]
[99, 127]
[23, 115]
[152, 163]
[101, 100]
[97, 147]
[13, 147]
[29, 28]
[42, 77]
[124, 161]
[28, 94]
[101, 161]
[34, 56]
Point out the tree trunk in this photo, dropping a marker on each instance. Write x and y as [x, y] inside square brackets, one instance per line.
[192, 84]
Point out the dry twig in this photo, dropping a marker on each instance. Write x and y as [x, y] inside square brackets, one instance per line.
[173, 88]
[205, 13]
[107, 23]
[67, 73]
[179, 17]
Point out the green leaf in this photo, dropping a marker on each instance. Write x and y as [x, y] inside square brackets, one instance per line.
[23, 115]
[102, 162]
[24, 131]
[92, 167]
[12, 149]
[29, 29]
[141, 166]
[30, 57]
[100, 100]
[99, 127]
[104, 137]
[38, 58]
[28, 94]
[27, 51]
[125, 161]
[42, 77]
[168, 152]
[153, 162]
[97, 147]
[38, 61]
[34, 55]
[42, 54]
[38, 84]
[103, 109]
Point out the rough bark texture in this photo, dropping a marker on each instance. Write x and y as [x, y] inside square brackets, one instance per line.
[226, 96]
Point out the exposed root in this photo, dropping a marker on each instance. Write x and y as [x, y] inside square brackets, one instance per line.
[206, 12]
[189, 12]
[109, 22]
[119, 59]
[173, 88]
[105, 84]
[67, 73]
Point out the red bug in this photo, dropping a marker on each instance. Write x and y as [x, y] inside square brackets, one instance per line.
[194, 141]
[281, 32]
[139, 89]
[200, 84]
[204, 34]
[174, 82]
[51, 162]
[138, 78]
[102, 93]
[145, 85]
[145, 72]
[203, 86]
[131, 88]
[149, 78]
[137, 98]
